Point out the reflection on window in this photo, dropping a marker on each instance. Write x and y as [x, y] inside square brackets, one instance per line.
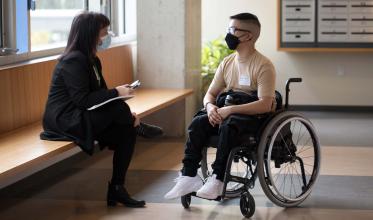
[51, 20]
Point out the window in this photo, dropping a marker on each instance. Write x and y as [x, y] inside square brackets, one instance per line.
[41, 27]
[1, 23]
[129, 18]
[51, 20]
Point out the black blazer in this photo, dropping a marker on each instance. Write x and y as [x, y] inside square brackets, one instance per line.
[73, 89]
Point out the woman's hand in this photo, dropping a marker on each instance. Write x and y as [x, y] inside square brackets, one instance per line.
[124, 90]
[224, 112]
[214, 117]
[137, 119]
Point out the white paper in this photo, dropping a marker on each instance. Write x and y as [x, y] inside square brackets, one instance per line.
[124, 98]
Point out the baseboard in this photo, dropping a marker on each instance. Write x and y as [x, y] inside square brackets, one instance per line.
[333, 108]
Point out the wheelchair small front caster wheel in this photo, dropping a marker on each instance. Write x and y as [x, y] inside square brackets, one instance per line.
[185, 201]
[247, 205]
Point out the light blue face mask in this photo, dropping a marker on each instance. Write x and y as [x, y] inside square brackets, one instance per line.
[106, 41]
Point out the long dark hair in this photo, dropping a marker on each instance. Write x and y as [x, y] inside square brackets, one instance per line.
[84, 33]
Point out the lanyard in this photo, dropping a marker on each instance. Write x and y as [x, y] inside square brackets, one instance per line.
[97, 75]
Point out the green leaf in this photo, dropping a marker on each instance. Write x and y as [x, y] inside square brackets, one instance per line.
[213, 52]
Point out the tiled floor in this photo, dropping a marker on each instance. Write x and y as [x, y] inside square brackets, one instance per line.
[76, 188]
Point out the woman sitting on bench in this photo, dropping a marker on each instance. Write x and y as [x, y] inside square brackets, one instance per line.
[78, 84]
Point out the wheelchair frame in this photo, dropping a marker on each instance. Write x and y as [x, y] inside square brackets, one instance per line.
[259, 154]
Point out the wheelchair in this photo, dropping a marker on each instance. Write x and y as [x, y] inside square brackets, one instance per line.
[284, 153]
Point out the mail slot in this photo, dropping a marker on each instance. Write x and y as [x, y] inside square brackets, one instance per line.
[298, 7]
[293, 34]
[327, 34]
[333, 6]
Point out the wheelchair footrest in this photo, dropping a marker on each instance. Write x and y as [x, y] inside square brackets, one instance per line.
[219, 198]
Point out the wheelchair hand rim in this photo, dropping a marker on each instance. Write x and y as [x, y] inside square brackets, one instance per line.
[316, 163]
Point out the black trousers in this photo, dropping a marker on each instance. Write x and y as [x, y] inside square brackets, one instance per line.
[200, 130]
[112, 126]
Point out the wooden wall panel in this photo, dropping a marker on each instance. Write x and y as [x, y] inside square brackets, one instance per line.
[5, 101]
[29, 89]
[24, 89]
[117, 65]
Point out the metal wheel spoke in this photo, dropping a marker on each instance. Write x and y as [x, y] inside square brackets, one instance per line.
[299, 176]
[299, 152]
[308, 157]
[287, 147]
[284, 182]
[294, 185]
[300, 128]
[291, 182]
[301, 137]
[301, 149]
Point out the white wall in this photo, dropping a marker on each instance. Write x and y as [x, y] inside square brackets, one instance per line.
[161, 43]
[168, 54]
[328, 78]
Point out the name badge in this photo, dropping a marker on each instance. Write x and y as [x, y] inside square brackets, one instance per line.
[244, 80]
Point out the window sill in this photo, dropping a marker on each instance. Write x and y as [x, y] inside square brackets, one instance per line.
[17, 60]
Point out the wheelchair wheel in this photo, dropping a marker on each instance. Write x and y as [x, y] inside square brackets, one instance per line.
[247, 205]
[186, 200]
[239, 168]
[288, 159]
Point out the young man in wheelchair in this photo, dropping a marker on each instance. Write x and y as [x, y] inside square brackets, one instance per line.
[246, 71]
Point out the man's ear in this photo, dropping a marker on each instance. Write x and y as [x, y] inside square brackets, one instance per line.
[250, 36]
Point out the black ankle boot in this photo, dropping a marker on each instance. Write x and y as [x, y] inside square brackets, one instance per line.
[149, 131]
[117, 193]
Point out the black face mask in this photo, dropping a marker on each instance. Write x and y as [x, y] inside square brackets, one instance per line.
[232, 41]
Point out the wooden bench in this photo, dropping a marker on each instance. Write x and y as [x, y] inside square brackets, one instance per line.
[22, 149]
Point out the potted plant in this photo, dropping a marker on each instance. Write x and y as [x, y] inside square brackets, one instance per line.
[213, 52]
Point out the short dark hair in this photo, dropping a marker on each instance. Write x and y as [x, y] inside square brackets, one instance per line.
[248, 17]
[84, 33]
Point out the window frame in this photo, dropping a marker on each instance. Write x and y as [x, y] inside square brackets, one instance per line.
[10, 27]
[1, 23]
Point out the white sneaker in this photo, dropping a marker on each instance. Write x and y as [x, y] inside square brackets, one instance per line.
[184, 185]
[212, 188]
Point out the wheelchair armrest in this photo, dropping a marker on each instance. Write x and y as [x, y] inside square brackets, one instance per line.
[287, 89]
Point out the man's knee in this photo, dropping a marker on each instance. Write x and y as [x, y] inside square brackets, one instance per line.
[229, 125]
[198, 122]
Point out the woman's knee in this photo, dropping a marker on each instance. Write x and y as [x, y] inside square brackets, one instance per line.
[121, 113]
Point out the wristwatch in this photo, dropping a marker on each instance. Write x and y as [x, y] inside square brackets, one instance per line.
[207, 104]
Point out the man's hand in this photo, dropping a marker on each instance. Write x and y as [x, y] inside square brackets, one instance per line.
[224, 112]
[214, 117]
